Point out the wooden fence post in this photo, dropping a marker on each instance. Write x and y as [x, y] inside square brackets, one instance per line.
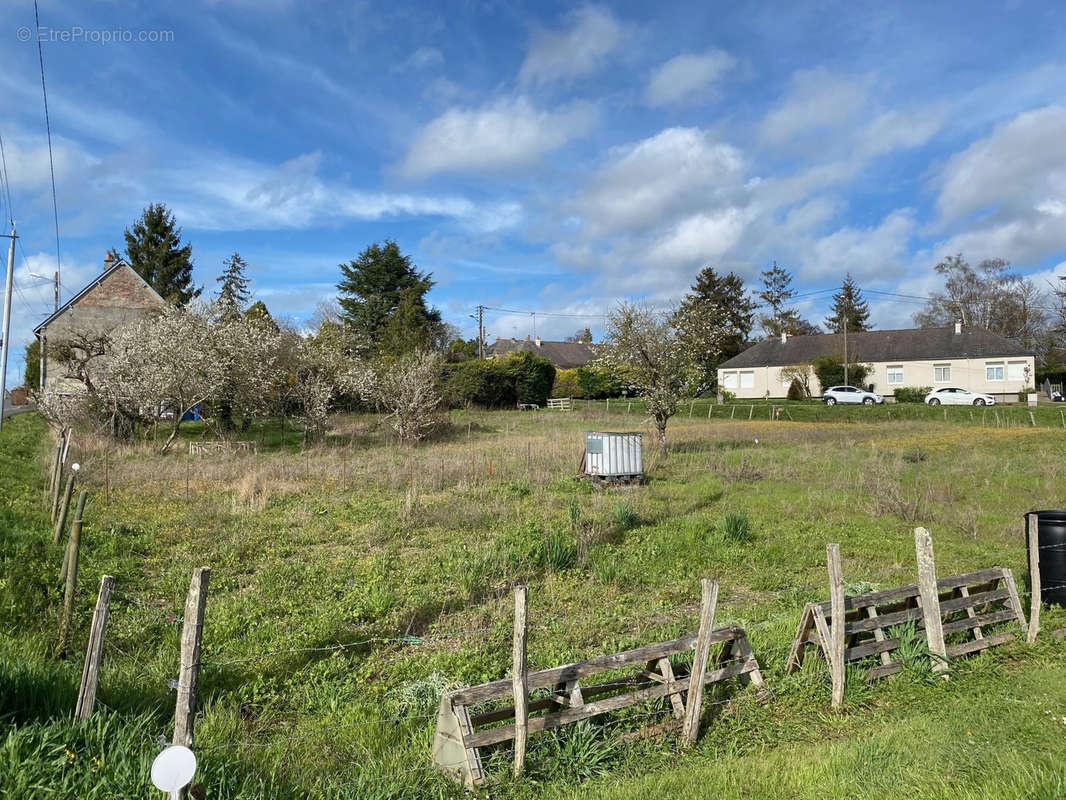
[690, 726]
[71, 587]
[61, 518]
[75, 526]
[1033, 542]
[55, 469]
[518, 680]
[836, 622]
[94, 653]
[934, 627]
[57, 487]
[192, 630]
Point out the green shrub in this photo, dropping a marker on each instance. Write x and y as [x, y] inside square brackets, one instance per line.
[486, 383]
[624, 516]
[567, 384]
[727, 396]
[1023, 394]
[735, 527]
[912, 394]
[599, 383]
[795, 391]
[830, 372]
[533, 377]
[555, 552]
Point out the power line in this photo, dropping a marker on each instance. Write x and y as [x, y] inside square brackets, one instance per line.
[6, 183]
[48, 129]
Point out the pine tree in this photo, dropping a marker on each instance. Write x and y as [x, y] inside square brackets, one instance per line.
[374, 284]
[726, 294]
[777, 291]
[233, 294]
[849, 306]
[258, 312]
[154, 249]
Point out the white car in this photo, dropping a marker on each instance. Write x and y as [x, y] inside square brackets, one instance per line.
[953, 396]
[849, 394]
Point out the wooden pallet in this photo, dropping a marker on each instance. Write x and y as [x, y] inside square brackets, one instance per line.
[561, 403]
[461, 733]
[968, 604]
[207, 448]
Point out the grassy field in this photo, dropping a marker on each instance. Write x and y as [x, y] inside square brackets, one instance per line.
[408, 556]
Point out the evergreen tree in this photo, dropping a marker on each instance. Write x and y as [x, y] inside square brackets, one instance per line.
[233, 294]
[32, 375]
[776, 293]
[407, 329]
[258, 311]
[154, 249]
[371, 290]
[724, 294]
[849, 306]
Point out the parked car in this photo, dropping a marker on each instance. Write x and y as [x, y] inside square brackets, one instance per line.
[954, 396]
[849, 394]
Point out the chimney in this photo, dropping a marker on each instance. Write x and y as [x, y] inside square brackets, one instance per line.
[784, 336]
[497, 338]
[958, 326]
[107, 261]
[537, 341]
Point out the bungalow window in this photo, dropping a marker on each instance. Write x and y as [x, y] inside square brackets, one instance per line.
[730, 380]
[994, 371]
[942, 373]
[895, 375]
[747, 380]
[1016, 371]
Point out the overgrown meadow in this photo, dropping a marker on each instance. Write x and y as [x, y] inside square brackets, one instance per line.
[354, 581]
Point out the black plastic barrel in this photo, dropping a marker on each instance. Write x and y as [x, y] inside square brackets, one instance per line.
[1051, 538]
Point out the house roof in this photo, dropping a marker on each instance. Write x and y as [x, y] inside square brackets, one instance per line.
[107, 273]
[565, 355]
[908, 344]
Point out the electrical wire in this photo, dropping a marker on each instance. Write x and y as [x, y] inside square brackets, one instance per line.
[48, 129]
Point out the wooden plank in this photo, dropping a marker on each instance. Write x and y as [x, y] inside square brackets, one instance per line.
[518, 679]
[977, 632]
[915, 614]
[545, 678]
[799, 644]
[824, 637]
[885, 670]
[753, 675]
[94, 654]
[911, 590]
[1032, 539]
[837, 623]
[1015, 602]
[557, 719]
[556, 700]
[666, 670]
[934, 631]
[189, 674]
[975, 645]
[879, 635]
[694, 698]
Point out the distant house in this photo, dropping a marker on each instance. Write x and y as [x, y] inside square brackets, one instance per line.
[114, 297]
[564, 355]
[970, 358]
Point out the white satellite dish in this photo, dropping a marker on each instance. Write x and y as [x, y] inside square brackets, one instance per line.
[173, 768]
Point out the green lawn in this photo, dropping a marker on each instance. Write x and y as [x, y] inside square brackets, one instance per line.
[412, 553]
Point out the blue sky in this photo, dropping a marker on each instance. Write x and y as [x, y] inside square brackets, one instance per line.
[548, 156]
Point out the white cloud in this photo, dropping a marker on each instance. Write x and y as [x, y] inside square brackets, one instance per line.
[220, 194]
[657, 177]
[867, 253]
[579, 49]
[817, 99]
[508, 135]
[1008, 190]
[686, 75]
[698, 239]
[900, 130]
[423, 58]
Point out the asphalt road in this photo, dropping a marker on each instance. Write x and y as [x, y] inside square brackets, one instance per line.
[10, 411]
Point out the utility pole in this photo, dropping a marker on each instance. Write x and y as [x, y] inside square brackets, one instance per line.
[481, 332]
[846, 350]
[55, 294]
[6, 348]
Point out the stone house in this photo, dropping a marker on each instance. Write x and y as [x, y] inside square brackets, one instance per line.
[114, 297]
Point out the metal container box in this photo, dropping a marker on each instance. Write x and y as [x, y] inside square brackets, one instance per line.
[614, 455]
